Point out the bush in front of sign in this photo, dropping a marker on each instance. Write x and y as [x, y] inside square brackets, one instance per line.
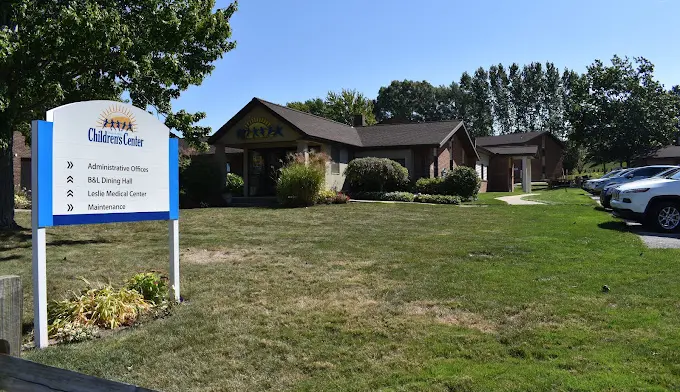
[299, 184]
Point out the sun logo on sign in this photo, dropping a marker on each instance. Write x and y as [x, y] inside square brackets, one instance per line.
[118, 118]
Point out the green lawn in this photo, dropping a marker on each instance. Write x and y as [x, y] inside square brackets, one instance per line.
[390, 297]
[573, 196]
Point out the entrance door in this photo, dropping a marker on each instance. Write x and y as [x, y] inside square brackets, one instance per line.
[264, 166]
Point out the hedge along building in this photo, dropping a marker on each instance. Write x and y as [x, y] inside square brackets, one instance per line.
[267, 133]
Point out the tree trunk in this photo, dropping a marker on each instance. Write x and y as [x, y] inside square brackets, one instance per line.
[7, 185]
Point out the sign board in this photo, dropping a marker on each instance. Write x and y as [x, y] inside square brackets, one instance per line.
[105, 162]
[100, 162]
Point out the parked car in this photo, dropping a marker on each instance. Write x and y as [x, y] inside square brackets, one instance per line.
[632, 175]
[590, 184]
[654, 202]
[599, 186]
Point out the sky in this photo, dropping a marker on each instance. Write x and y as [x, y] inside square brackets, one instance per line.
[293, 50]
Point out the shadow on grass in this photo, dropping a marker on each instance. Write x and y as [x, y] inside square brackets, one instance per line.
[614, 225]
[77, 242]
[9, 258]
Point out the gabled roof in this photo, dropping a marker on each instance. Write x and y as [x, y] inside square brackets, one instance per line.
[387, 135]
[512, 150]
[426, 133]
[309, 124]
[511, 138]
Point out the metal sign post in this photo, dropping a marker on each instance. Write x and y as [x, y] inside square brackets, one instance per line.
[100, 162]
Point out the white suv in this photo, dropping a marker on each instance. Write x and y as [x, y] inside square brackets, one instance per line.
[654, 202]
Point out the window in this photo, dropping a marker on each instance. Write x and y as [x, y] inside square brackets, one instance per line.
[335, 159]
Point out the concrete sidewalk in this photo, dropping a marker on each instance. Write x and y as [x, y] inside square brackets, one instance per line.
[518, 201]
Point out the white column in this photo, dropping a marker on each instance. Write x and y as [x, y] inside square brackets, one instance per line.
[303, 147]
[246, 190]
[173, 231]
[39, 251]
[526, 174]
[39, 287]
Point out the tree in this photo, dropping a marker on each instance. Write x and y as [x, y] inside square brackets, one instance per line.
[344, 105]
[56, 52]
[623, 113]
[410, 101]
[340, 107]
[316, 106]
[501, 99]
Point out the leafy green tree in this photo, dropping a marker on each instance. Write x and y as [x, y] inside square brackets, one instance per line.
[518, 100]
[408, 101]
[501, 99]
[316, 106]
[344, 105]
[340, 107]
[553, 102]
[623, 113]
[56, 52]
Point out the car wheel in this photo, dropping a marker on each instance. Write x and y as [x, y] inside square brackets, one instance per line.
[665, 217]
[606, 201]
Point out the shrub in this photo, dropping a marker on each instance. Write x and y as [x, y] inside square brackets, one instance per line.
[326, 197]
[376, 175]
[299, 184]
[201, 183]
[22, 199]
[152, 286]
[368, 195]
[104, 307]
[234, 184]
[436, 199]
[397, 196]
[71, 332]
[429, 186]
[462, 181]
[341, 198]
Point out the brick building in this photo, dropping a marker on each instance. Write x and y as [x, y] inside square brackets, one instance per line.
[267, 132]
[21, 153]
[549, 151]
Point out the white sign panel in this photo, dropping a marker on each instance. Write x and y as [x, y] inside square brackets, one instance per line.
[108, 158]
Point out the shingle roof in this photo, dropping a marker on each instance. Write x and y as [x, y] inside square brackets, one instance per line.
[511, 138]
[316, 126]
[512, 150]
[668, 152]
[388, 135]
[427, 133]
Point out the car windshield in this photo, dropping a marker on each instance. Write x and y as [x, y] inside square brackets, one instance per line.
[622, 173]
[675, 176]
[668, 173]
[611, 174]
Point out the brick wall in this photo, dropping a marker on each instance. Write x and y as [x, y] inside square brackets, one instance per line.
[21, 150]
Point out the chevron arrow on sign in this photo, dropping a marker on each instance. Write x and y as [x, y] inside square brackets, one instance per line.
[69, 193]
[69, 165]
[69, 179]
[70, 207]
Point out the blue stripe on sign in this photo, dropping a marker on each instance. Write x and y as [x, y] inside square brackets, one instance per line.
[44, 161]
[85, 219]
[174, 178]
